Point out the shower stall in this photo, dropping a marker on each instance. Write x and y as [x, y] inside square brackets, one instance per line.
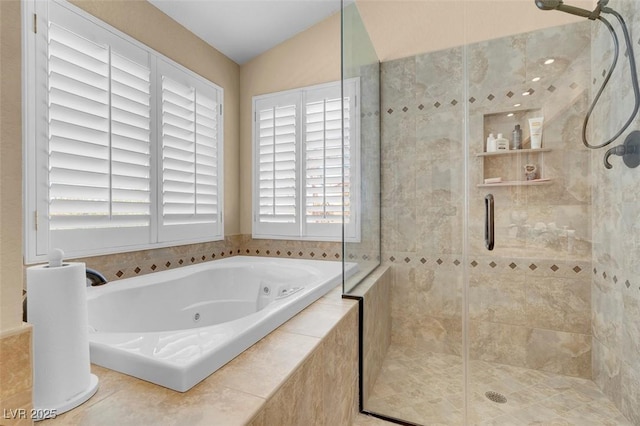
[513, 294]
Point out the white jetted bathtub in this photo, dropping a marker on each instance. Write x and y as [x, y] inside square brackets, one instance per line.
[174, 328]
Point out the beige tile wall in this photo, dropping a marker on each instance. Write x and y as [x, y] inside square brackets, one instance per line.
[616, 215]
[534, 287]
[323, 390]
[16, 379]
[376, 326]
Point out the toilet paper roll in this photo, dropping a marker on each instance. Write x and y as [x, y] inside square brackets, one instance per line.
[57, 308]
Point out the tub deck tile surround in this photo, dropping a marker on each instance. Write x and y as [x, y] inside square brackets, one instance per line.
[16, 380]
[279, 380]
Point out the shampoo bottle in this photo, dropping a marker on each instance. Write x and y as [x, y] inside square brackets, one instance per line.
[491, 143]
[516, 142]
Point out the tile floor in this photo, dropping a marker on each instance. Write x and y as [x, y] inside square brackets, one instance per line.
[426, 388]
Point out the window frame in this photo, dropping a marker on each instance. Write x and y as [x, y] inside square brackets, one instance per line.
[37, 235]
[300, 230]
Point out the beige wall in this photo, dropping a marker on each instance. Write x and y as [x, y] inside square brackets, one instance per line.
[400, 28]
[150, 26]
[10, 167]
[311, 57]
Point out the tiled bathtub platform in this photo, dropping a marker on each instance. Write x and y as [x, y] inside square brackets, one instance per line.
[305, 372]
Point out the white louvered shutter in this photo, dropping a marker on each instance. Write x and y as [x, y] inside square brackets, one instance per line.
[98, 136]
[79, 140]
[276, 133]
[191, 161]
[323, 184]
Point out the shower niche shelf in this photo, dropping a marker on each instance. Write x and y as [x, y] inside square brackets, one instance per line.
[509, 164]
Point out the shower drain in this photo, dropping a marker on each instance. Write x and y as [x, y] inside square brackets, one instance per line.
[496, 397]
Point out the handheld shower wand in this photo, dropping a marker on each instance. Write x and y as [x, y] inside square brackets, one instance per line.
[559, 5]
[593, 15]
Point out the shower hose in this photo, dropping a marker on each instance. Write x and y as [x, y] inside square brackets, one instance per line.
[634, 78]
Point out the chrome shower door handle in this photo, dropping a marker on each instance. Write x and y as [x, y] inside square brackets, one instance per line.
[489, 234]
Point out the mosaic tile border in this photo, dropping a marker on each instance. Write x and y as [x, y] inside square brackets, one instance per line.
[616, 277]
[473, 99]
[443, 261]
[289, 253]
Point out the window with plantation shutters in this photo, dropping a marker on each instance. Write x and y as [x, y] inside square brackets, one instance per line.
[303, 163]
[189, 145]
[123, 145]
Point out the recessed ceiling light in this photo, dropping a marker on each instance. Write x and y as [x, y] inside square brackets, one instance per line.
[549, 61]
[510, 114]
[527, 93]
[535, 79]
[517, 105]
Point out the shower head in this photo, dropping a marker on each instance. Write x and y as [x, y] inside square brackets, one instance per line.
[548, 4]
[559, 5]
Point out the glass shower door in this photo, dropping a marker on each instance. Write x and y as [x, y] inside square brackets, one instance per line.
[529, 299]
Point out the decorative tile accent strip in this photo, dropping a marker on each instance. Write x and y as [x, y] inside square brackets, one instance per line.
[510, 94]
[533, 267]
[423, 260]
[577, 269]
[474, 263]
[405, 109]
[554, 268]
[513, 265]
[491, 97]
[493, 264]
